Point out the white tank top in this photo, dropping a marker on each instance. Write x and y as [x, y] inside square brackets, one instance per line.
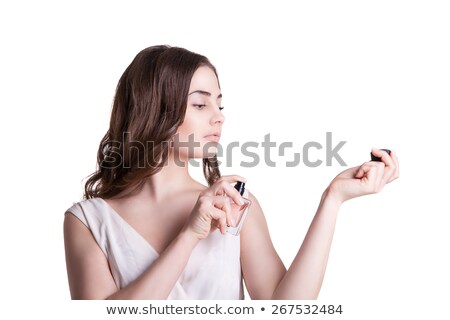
[213, 270]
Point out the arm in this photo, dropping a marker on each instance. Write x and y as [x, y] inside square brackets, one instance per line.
[90, 277]
[305, 275]
[263, 271]
[262, 268]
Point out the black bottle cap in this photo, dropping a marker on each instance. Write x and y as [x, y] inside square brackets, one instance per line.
[374, 158]
[240, 186]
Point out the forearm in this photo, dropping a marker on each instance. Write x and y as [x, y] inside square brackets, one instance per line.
[159, 279]
[304, 278]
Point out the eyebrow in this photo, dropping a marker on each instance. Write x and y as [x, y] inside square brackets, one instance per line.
[205, 93]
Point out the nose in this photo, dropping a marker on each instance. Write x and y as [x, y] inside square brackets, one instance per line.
[217, 117]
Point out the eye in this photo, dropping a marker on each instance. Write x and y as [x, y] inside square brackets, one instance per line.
[221, 108]
[200, 106]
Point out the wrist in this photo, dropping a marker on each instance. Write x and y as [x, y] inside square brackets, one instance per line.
[331, 197]
[188, 237]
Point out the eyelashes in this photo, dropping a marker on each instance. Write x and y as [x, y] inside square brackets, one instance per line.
[201, 106]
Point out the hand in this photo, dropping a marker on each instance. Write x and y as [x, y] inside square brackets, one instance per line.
[212, 210]
[368, 178]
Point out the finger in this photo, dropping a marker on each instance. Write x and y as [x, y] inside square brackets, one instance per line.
[231, 192]
[359, 172]
[376, 175]
[385, 157]
[389, 170]
[215, 190]
[223, 187]
[370, 175]
[380, 176]
[363, 169]
[232, 178]
[219, 216]
[223, 204]
[397, 168]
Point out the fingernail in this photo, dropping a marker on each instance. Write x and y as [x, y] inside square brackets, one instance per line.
[241, 201]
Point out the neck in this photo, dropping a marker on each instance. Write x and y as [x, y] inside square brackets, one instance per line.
[173, 177]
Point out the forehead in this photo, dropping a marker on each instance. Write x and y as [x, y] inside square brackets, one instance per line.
[204, 78]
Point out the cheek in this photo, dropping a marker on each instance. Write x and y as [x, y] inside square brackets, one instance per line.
[191, 131]
[185, 130]
[190, 126]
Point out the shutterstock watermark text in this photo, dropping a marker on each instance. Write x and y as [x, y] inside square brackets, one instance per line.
[273, 153]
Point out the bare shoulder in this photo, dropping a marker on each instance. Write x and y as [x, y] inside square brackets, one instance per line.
[73, 226]
[253, 199]
[76, 237]
[256, 221]
[86, 264]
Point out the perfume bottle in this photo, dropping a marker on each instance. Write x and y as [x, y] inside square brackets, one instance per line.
[238, 212]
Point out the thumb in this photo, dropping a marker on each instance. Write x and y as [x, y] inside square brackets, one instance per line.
[360, 173]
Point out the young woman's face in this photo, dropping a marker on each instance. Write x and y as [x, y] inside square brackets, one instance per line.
[200, 132]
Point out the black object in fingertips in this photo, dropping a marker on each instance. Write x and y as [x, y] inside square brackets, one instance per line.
[240, 186]
[375, 158]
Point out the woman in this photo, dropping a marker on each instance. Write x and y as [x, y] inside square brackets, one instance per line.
[147, 230]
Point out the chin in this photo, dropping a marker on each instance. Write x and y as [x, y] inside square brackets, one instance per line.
[203, 155]
[200, 154]
[210, 151]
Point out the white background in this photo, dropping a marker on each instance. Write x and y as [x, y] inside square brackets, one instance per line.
[374, 73]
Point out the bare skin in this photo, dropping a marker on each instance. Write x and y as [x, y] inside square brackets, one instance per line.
[174, 228]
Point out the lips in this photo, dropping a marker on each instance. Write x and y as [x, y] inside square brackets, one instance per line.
[215, 136]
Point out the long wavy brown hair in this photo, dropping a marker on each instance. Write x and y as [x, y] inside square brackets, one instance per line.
[149, 105]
